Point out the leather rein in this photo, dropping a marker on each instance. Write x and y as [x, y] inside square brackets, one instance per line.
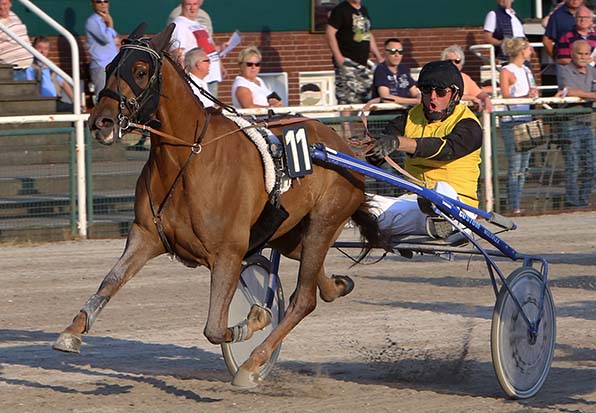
[369, 141]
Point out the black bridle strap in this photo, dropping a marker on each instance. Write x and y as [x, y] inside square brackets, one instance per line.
[212, 98]
[109, 93]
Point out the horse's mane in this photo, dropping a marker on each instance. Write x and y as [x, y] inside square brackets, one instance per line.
[182, 73]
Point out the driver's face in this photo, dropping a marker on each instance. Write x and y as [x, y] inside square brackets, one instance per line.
[433, 101]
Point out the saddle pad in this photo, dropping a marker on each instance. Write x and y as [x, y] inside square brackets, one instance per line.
[262, 147]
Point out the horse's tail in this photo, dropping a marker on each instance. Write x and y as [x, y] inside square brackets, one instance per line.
[370, 232]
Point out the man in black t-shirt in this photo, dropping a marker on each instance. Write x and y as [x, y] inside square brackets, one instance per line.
[350, 39]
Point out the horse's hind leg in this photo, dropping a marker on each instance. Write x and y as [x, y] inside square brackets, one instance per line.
[304, 300]
[140, 247]
[329, 288]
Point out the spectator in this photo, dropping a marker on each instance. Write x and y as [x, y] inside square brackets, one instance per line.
[50, 83]
[102, 41]
[579, 145]
[12, 53]
[249, 90]
[516, 80]
[472, 91]
[502, 23]
[202, 17]
[189, 34]
[560, 22]
[582, 30]
[392, 80]
[546, 18]
[442, 139]
[196, 63]
[350, 39]
[393, 83]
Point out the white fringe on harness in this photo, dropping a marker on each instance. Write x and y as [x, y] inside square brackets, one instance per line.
[262, 147]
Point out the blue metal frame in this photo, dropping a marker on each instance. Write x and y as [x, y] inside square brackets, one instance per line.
[451, 210]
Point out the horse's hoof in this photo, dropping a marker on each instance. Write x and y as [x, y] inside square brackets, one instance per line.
[344, 280]
[245, 379]
[68, 342]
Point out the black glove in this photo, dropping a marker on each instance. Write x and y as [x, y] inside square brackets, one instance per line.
[383, 146]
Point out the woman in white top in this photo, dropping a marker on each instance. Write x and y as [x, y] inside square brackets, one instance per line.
[516, 80]
[249, 90]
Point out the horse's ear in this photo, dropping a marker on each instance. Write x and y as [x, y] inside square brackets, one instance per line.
[138, 32]
[162, 40]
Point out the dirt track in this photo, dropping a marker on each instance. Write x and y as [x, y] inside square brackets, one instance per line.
[413, 336]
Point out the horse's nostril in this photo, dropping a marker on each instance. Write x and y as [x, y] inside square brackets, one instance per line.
[104, 122]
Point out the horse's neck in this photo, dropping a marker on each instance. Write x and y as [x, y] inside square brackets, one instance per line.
[178, 110]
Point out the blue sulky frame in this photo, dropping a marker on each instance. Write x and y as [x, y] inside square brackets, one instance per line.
[451, 210]
[522, 347]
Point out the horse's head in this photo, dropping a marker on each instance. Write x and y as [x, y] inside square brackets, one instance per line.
[133, 83]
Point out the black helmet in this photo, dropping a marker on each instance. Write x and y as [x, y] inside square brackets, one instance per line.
[441, 73]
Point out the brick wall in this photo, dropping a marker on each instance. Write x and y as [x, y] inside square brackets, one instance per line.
[293, 52]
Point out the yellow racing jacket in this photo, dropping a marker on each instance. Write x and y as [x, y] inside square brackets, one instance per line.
[461, 172]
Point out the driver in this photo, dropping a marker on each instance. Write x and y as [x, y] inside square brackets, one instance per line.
[442, 139]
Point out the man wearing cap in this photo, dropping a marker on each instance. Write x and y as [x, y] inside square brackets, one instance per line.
[442, 140]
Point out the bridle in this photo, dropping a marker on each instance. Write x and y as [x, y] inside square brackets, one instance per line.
[141, 108]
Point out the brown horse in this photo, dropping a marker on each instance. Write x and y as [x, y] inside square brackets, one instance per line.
[202, 190]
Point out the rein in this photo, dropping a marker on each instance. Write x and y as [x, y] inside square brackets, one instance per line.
[368, 140]
[175, 141]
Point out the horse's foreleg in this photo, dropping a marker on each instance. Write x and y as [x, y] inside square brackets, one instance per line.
[225, 274]
[140, 247]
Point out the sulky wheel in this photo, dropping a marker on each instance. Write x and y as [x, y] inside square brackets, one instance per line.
[521, 359]
[254, 288]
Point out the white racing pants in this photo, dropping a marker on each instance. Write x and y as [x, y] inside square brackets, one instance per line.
[402, 216]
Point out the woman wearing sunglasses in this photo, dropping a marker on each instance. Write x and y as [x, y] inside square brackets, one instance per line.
[516, 80]
[472, 91]
[249, 90]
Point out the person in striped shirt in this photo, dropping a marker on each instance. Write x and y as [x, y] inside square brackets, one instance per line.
[11, 52]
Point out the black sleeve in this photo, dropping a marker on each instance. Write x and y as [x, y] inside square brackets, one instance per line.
[465, 138]
[396, 126]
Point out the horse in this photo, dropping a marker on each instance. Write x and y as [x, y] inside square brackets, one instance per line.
[202, 190]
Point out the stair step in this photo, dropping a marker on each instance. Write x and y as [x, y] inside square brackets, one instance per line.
[26, 185]
[27, 106]
[6, 72]
[35, 125]
[18, 88]
[38, 206]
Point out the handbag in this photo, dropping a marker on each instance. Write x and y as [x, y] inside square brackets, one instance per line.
[529, 135]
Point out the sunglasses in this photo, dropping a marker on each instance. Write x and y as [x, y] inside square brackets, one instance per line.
[441, 92]
[251, 64]
[456, 61]
[394, 51]
[101, 1]
[206, 60]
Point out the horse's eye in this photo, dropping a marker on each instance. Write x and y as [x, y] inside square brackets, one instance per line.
[141, 74]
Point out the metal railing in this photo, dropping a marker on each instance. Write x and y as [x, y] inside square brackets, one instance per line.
[113, 174]
[77, 118]
[480, 49]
